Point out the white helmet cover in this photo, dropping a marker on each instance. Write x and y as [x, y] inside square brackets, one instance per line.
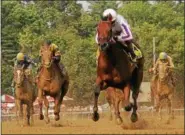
[111, 12]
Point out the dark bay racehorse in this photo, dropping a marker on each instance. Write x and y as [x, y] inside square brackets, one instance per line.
[115, 70]
[51, 82]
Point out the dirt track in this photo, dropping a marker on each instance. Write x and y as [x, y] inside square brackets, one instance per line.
[146, 125]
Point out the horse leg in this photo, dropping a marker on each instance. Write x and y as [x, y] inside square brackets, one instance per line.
[95, 108]
[31, 114]
[126, 91]
[170, 111]
[16, 110]
[28, 112]
[117, 112]
[20, 111]
[46, 107]
[59, 99]
[57, 107]
[110, 105]
[40, 100]
[134, 116]
[159, 107]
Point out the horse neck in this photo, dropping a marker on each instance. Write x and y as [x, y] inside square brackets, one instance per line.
[50, 73]
[112, 56]
[24, 86]
[47, 72]
[105, 57]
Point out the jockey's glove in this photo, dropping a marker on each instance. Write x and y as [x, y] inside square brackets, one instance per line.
[115, 38]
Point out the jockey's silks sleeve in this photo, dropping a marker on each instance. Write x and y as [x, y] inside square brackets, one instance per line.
[126, 33]
[170, 62]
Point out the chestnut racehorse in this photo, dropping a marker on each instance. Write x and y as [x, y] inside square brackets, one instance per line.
[115, 70]
[162, 89]
[25, 93]
[51, 82]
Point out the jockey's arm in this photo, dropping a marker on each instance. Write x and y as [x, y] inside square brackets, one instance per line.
[171, 65]
[125, 33]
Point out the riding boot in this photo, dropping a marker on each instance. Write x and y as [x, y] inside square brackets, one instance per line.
[61, 67]
[131, 50]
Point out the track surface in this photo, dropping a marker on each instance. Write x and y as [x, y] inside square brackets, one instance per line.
[145, 125]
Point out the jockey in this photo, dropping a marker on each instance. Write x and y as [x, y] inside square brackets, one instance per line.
[56, 57]
[120, 31]
[24, 60]
[164, 58]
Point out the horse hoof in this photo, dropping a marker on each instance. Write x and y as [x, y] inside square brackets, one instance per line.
[47, 121]
[41, 116]
[168, 121]
[134, 117]
[119, 121]
[95, 116]
[57, 117]
[26, 125]
[128, 108]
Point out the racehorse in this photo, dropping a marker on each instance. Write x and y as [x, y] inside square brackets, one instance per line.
[114, 97]
[25, 93]
[114, 69]
[50, 82]
[162, 89]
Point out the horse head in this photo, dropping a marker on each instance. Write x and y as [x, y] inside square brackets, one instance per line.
[46, 56]
[19, 76]
[104, 30]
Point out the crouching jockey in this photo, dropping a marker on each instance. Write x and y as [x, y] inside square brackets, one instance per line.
[24, 61]
[164, 58]
[121, 32]
[56, 57]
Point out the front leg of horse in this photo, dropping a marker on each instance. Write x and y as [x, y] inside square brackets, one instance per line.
[40, 100]
[111, 109]
[95, 108]
[19, 108]
[28, 113]
[170, 111]
[117, 112]
[158, 107]
[126, 91]
[46, 107]
[57, 107]
[134, 116]
[31, 114]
